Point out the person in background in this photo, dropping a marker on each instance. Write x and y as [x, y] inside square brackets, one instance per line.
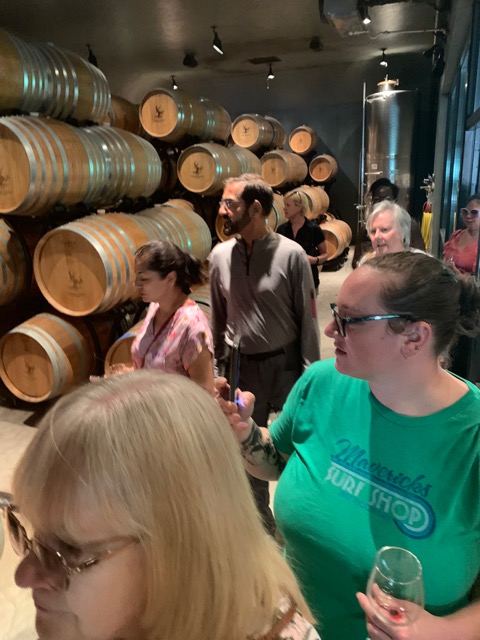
[306, 233]
[381, 447]
[175, 336]
[461, 249]
[261, 290]
[388, 227]
[135, 521]
[381, 190]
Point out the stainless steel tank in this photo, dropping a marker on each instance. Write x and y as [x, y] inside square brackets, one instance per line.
[389, 142]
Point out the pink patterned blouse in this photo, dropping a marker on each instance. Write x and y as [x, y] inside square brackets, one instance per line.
[464, 259]
[177, 344]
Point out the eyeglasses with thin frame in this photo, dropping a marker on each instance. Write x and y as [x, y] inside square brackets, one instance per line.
[228, 203]
[473, 212]
[59, 570]
[341, 322]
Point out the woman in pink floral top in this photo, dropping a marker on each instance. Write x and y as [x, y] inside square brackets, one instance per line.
[175, 336]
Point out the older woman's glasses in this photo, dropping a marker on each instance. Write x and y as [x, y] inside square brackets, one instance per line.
[341, 322]
[53, 562]
[472, 212]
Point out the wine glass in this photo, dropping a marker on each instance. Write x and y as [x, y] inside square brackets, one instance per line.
[395, 586]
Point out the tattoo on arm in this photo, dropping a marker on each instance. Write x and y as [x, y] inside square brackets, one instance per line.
[258, 451]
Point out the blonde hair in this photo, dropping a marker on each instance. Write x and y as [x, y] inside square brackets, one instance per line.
[163, 465]
[299, 198]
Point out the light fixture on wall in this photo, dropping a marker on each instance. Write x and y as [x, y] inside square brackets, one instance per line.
[271, 75]
[174, 84]
[363, 12]
[217, 43]
[383, 60]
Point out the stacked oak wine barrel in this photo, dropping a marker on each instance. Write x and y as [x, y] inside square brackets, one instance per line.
[86, 178]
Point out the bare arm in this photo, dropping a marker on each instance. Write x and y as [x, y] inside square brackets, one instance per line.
[201, 370]
[261, 458]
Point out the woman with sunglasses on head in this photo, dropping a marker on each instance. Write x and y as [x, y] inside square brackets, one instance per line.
[303, 231]
[380, 447]
[136, 522]
[461, 250]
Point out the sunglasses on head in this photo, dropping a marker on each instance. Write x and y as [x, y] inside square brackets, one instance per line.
[473, 212]
[58, 569]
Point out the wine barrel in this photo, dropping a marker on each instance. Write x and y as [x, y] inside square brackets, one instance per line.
[46, 162]
[45, 357]
[279, 136]
[87, 266]
[323, 168]
[318, 200]
[24, 84]
[247, 160]
[338, 236]
[81, 91]
[218, 122]
[203, 168]
[123, 114]
[120, 351]
[171, 115]
[135, 166]
[15, 264]
[303, 140]
[282, 167]
[253, 131]
[182, 226]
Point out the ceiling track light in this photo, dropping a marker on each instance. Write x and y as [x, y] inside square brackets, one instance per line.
[217, 43]
[271, 75]
[363, 13]
[174, 84]
[383, 61]
[189, 60]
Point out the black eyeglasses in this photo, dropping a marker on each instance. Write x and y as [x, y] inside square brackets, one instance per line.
[228, 203]
[473, 212]
[57, 567]
[341, 322]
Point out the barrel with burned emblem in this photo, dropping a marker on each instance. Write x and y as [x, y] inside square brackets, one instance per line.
[203, 168]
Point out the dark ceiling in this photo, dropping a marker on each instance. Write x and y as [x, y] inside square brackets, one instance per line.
[140, 44]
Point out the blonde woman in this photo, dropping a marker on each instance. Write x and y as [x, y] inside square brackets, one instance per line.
[140, 525]
[303, 231]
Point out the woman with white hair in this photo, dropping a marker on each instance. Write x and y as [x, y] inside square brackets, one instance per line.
[388, 227]
[135, 520]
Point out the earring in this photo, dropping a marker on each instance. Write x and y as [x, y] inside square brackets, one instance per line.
[417, 348]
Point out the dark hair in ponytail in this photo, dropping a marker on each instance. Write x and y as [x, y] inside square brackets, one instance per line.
[427, 289]
[163, 257]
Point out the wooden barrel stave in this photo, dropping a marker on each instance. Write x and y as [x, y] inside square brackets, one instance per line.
[338, 236]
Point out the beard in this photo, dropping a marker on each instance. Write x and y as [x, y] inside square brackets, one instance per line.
[232, 227]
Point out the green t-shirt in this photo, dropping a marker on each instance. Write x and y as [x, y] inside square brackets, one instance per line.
[361, 477]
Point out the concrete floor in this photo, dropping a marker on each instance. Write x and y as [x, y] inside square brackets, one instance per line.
[17, 421]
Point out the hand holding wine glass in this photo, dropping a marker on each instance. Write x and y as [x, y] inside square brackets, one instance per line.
[395, 586]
